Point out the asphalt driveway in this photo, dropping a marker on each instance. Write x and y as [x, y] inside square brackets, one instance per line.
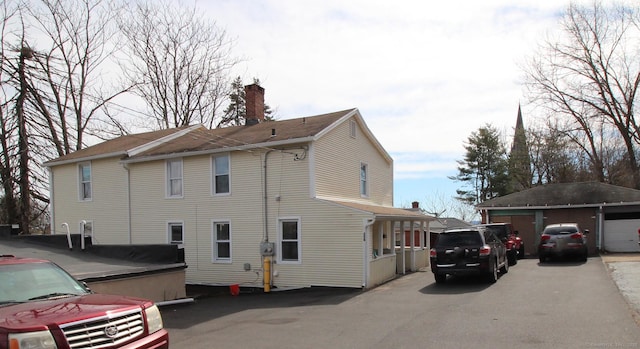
[554, 305]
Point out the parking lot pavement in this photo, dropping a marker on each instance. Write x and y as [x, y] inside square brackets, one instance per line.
[625, 272]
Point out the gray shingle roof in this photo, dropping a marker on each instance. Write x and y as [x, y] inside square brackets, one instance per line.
[560, 194]
[201, 139]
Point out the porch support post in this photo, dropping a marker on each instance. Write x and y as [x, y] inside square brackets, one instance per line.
[403, 247]
[380, 238]
[413, 246]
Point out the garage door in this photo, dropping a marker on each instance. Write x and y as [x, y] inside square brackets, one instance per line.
[621, 232]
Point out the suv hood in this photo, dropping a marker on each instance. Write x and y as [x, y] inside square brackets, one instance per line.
[32, 315]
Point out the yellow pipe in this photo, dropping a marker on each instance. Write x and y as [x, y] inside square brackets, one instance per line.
[267, 274]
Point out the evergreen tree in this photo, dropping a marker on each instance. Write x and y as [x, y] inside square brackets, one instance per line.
[484, 168]
[236, 111]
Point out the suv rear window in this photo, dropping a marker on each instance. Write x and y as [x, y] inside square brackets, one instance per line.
[501, 231]
[463, 238]
[560, 230]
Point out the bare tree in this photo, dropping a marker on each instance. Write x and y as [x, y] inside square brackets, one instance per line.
[8, 127]
[180, 62]
[441, 206]
[591, 77]
[56, 69]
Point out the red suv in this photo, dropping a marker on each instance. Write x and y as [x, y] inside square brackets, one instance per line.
[510, 238]
[43, 307]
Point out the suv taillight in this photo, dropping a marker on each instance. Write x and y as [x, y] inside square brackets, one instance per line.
[485, 250]
[545, 237]
[576, 236]
[433, 253]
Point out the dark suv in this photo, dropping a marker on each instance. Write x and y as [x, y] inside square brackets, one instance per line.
[468, 251]
[510, 238]
[43, 307]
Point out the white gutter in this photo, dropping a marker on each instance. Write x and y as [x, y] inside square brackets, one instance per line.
[264, 145]
[550, 207]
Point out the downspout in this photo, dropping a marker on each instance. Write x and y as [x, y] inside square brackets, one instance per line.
[126, 167]
[266, 212]
[600, 229]
[266, 262]
[52, 219]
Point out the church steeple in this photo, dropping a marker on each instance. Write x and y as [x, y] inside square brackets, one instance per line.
[519, 158]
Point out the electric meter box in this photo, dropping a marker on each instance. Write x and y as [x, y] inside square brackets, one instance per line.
[267, 248]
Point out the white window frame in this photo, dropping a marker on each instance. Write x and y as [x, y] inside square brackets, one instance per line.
[353, 129]
[214, 189]
[170, 240]
[281, 240]
[82, 195]
[174, 177]
[364, 181]
[215, 257]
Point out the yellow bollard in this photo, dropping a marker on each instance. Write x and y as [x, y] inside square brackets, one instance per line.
[267, 274]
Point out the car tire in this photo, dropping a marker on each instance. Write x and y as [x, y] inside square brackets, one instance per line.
[512, 257]
[440, 278]
[505, 268]
[521, 252]
[542, 259]
[492, 277]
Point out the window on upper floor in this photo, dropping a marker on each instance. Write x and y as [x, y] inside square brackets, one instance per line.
[221, 178]
[352, 128]
[176, 233]
[174, 178]
[221, 241]
[364, 179]
[289, 240]
[84, 182]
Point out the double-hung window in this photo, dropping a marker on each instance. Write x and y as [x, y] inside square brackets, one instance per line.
[176, 233]
[290, 240]
[221, 241]
[364, 179]
[174, 178]
[221, 178]
[84, 188]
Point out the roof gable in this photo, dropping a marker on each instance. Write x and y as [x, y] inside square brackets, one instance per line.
[563, 194]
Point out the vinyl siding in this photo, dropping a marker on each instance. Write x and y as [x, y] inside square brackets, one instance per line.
[108, 207]
[331, 236]
[337, 167]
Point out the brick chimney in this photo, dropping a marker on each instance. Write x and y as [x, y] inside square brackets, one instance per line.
[254, 103]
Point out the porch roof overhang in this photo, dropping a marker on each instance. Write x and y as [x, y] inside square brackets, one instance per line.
[384, 212]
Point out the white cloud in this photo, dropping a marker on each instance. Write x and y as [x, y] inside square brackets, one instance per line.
[424, 74]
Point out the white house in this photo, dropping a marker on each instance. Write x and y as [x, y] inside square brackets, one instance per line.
[274, 204]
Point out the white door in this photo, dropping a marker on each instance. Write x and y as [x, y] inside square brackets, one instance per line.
[621, 235]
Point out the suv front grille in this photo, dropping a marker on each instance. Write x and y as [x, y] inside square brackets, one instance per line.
[105, 331]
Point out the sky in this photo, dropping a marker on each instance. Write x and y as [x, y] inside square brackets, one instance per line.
[423, 74]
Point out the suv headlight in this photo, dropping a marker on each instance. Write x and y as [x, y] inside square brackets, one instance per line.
[154, 319]
[32, 340]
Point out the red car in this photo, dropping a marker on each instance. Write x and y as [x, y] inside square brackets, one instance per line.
[510, 238]
[43, 307]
